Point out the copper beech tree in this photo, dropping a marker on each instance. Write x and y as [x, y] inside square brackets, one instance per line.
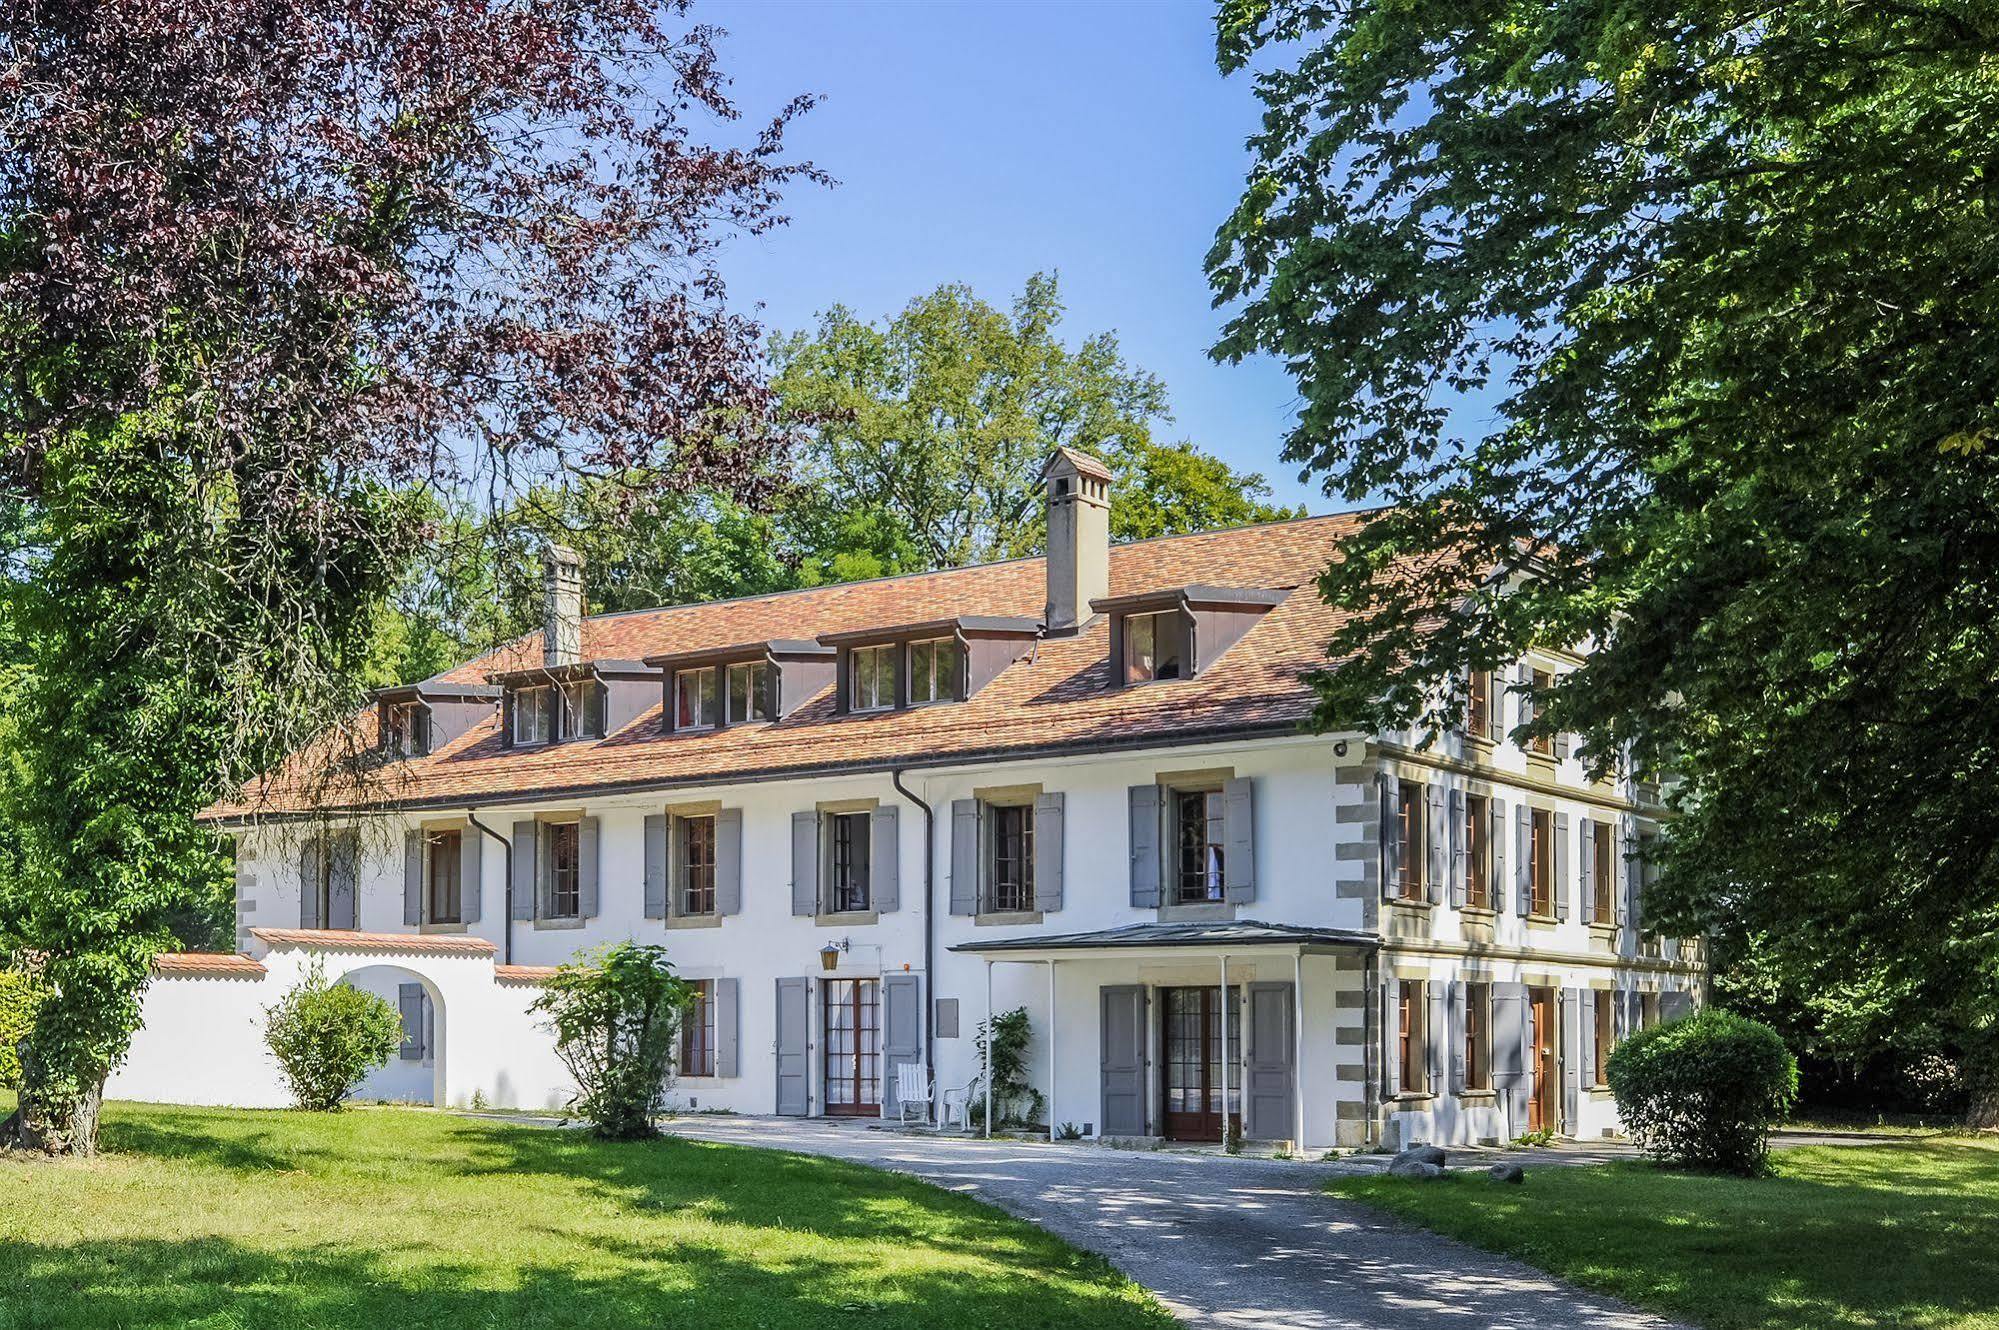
[269, 269]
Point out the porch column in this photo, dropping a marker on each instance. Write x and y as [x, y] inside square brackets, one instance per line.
[1298, 1044]
[1224, 1022]
[989, 1050]
[1051, 1048]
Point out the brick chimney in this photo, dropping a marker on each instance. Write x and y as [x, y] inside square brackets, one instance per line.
[562, 606]
[1079, 538]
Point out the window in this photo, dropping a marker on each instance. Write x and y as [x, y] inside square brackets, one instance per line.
[1647, 869]
[1478, 852]
[694, 699]
[697, 1031]
[1478, 704]
[1011, 885]
[1155, 647]
[1199, 842]
[749, 692]
[933, 671]
[1541, 743]
[695, 864]
[582, 710]
[1605, 1021]
[1478, 1036]
[1409, 834]
[872, 670]
[321, 885]
[406, 729]
[1409, 1036]
[1603, 906]
[1541, 863]
[442, 882]
[847, 850]
[563, 882]
[533, 718]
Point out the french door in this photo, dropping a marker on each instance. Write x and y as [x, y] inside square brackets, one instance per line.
[1542, 1033]
[1191, 1081]
[853, 1047]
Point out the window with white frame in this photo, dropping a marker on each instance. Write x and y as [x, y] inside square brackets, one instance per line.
[749, 692]
[871, 672]
[582, 710]
[934, 666]
[1155, 647]
[406, 729]
[694, 699]
[534, 715]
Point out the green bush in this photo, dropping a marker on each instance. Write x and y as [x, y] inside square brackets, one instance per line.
[328, 1037]
[616, 1013]
[1015, 1100]
[1703, 1092]
[18, 995]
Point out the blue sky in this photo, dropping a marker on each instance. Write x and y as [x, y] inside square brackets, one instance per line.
[983, 142]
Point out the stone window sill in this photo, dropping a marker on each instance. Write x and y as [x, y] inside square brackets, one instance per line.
[442, 927]
[1479, 1096]
[694, 921]
[1411, 1099]
[1483, 913]
[558, 924]
[846, 919]
[1010, 917]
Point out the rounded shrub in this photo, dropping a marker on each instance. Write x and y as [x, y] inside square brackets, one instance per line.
[1704, 1091]
[328, 1037]
[616, 1014]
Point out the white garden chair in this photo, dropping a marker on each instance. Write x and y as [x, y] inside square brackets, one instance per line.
[958, 1102]
[912, 1091]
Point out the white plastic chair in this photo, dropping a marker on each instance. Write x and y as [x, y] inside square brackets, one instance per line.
[912, 1090]
[958, 1102]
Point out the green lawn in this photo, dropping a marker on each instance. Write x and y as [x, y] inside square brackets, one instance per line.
[385, 1218]
[1903, 1235]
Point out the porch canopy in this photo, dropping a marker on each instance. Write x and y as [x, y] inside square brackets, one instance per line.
[1219, 939]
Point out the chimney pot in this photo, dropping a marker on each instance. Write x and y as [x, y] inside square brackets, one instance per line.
[562, 606]
[1078, 491]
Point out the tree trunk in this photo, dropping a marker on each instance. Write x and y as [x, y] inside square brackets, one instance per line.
[54, 1116]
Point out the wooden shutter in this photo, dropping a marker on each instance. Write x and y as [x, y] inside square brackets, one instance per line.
[1145, 806]
[1391, 834]
[471, 863]
[1495, 706]
[655, 866]
[1460, 848]
[1564, 889]
[1436, 843]
[1239, 840]
[1495, 848]
[1620, 891]
[1523, 858]
[1436, 1032]
[587, 839]
[729, 862]
[805, 862]
[728, 1027]
[1049, 812]
[1525, 675]
[308, 883]
[409, 1005]
[885, 859]
[1391, 1039]
[1571, 1046]
[342, 879]
[527, 868]
[1588, 1037]
[1561, 745]
[413, 866]
[1454, 1041]
[1586, 893]
[965, 856]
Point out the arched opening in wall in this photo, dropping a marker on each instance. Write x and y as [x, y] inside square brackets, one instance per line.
[415, 1071]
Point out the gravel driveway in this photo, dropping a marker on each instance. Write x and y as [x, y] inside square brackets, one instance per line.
[1223, 1242]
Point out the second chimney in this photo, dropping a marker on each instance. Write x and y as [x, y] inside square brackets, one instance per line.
[562, 606]
[1079, 538]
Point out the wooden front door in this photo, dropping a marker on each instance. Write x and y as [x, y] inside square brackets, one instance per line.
[1541, 1035]
[853, 1047]
[1191, 1080]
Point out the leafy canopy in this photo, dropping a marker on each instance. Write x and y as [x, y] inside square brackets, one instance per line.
[616, 1015]
[1721, 277]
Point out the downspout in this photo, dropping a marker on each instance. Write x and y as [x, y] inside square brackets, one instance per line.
[929, 934]
[507, 920]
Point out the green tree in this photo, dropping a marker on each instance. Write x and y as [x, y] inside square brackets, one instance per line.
[1726, 275]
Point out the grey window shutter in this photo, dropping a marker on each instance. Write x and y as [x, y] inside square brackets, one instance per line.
[885, 859]
[1523, 858]
[1510, 1060]
[1587, 890]
[409, 1005]
[1145, 805]
[413, 857]
[342, 880]
[1391, 1033]
[805, 861]
[1588, 1033]
[1571, 1047]
[1620, 891]
[1460, 849]
[1525, 675]
[655, 866]
[1436, 1032]
[1391, 836]
[471, 865]
[1495, 846]
[1436, 843]
[728, 1028]
[1561, 745]
[964, 856]
[527, 868]
[1495, 706]
[308, 884]
[1049, 808]
[729, 862]
[1239, 840]
[1563, 888]
[587, 849]
[1454, 1045]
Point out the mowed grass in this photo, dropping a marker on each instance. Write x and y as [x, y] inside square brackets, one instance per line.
[1902, 1235]
[385, 1218]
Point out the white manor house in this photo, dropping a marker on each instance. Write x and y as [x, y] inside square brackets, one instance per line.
[863, 816]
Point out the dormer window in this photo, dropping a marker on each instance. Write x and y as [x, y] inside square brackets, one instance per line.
[750, 691]
[405, 729]
[1155, 647]
[696, 705]
[872, 674]
[934, 669]
[582, 711]
[534, 715]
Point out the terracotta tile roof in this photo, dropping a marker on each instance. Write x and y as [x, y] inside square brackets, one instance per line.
[220, 964]
[341, 939]
[523, 974]
[1055, 697]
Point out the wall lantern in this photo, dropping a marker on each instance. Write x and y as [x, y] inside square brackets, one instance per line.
[829, 956]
